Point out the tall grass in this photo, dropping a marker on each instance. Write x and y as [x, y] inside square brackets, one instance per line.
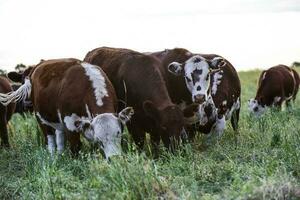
[261, 162]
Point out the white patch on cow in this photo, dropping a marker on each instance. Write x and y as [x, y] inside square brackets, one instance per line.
[21, 93]
[55, 125]
[70, 122]
[189, 68]
[277, 99]
[255, 108]
[60, 141]
[51, 144]
[217, 77]
[263, 76]
[219, 126]
[224, 103]
[98, 81]
[104, 129]
[188, 53]
[203, 118]
[235, 106]
[108, 131]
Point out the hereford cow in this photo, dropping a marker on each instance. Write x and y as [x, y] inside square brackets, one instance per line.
[139, 83]
[206, 79]
[275, 85]
[6, 112]
[71, 96]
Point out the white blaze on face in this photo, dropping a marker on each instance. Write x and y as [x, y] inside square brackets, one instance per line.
[98, 81]
[108, 131]
[255, 108]
[197, 76]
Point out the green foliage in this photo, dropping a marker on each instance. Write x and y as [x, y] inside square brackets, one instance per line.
[261, 162]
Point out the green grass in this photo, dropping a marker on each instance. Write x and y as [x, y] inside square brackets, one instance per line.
[262, 162]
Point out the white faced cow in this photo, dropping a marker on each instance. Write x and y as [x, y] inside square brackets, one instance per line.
[215, 86]
[71, 96]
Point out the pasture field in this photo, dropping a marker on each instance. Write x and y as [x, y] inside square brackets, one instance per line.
[261, 162]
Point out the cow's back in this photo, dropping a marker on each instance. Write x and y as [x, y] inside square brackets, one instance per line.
[65, 85]
[133, 74]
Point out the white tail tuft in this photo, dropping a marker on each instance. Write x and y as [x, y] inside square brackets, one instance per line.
[20, 94]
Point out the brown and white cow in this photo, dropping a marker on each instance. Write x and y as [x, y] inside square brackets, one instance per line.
[6, 112]
[276, 85]
[139, 83]
[71, 96]
[206, 79]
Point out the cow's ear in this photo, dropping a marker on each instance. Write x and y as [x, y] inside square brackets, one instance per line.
[216, 63]
[151, 110]
[15, 77]
[125, 115]
[176, 68]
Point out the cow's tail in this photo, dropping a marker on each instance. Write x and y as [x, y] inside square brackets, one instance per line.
[20, 94]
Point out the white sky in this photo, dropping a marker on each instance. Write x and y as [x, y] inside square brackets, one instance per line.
[250, 33]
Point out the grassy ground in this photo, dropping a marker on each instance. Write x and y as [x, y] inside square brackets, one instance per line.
[262, 163]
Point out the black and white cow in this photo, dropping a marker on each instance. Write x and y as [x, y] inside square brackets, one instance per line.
[214, 84]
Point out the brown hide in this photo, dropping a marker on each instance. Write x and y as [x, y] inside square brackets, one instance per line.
[278, 81]
[5, 112]
[229, 89]
[139, 83]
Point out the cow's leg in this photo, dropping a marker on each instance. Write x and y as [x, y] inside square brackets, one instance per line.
[191, 133]
[75, 143]
[219, 126]
[3, 127]
[155, 141]
[235, 119]
[51, 143]
[138, 134]
[60, 141]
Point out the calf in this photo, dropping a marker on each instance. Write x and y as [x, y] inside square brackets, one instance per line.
[205, 79]
[6, 112]
[72, 96]
[275, 85]
[139, 83]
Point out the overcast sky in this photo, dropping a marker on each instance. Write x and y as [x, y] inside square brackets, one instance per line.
[249, 33]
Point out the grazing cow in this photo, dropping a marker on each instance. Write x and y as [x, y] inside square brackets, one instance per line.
[139, 83]
[72, 96]
[276, 85]
[6, 112]
[205, 79]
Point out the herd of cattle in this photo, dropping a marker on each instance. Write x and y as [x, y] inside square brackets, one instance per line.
[171, 95]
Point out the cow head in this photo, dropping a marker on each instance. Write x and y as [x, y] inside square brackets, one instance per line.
[169, 122]
[105, 129]
[197, 72]
[256, 106]
[19, 77]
